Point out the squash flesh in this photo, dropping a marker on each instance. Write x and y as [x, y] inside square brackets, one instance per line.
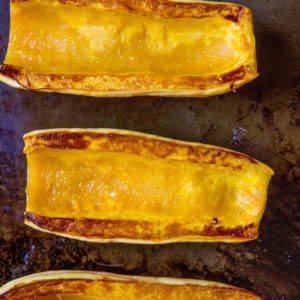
[119, 186]
[87, 40]
[107, 185]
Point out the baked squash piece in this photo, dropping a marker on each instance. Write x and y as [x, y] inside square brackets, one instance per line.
[78, 285]
[106, 185]
[129, 47]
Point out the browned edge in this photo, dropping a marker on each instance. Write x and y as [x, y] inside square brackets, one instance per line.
[129, 83]
[138, 230]
[73, 286]
[167, 9]
[138, 145]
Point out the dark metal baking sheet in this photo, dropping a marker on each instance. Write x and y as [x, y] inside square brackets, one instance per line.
[261, 119]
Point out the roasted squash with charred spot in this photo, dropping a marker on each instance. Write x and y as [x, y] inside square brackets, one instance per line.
[115, 185]
[129, 47]
[77, 285]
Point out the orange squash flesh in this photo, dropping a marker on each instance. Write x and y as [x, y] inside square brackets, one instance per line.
[114, 185]
[76, 285]
[108, 48]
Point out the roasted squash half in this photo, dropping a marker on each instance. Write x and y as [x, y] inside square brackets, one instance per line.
[107, 185]
[78, 285]
[129, 47]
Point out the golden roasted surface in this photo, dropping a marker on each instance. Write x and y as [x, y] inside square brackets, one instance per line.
[86, 40]
[121, 185]
[96, 47]
[77, 285]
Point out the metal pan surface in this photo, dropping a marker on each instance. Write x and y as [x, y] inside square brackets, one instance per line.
[261, 119]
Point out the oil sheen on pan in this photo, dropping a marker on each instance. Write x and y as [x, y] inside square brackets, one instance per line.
[127, 47]
[78, 285]
[107, 185]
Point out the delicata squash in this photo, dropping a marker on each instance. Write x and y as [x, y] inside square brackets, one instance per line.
[78, 285]
[104, 185]
[129, 47]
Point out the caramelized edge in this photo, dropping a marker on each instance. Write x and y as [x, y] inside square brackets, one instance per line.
[128, 230]
[136, 143]
[54, 282]
[167, 8]
[126, 85]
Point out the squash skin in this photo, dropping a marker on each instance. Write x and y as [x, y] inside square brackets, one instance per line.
[120, 84]
[147, 224]
[113, 285]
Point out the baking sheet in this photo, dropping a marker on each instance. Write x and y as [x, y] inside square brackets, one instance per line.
[261, 119]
